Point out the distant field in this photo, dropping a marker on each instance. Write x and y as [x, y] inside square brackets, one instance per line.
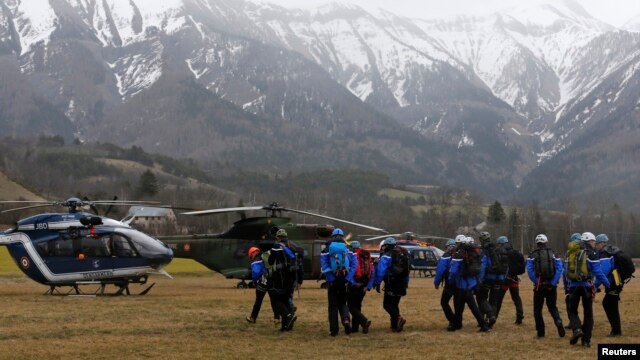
[201, 316]
[10, 190]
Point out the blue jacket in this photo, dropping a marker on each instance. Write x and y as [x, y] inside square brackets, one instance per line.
[607, 265]
[383, 267]
[325, 265]
[531, 270]
[593, 266]
[442, 270]
[465, 282]
[257, 270]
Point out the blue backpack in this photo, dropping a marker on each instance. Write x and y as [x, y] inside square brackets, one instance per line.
[338, 253]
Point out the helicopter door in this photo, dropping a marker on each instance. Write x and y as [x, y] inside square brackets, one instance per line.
[124, 254]
[78, 254]
[316, 270]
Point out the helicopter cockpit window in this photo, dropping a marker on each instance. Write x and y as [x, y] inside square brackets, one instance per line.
[144, 244]
[121, 246]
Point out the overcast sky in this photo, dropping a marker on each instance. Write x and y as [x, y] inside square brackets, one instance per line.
[614, 12]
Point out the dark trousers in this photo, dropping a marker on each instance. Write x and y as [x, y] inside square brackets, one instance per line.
[466, 297]
[337, 295]
[610, 305]
[354, 301]
[258, 304]
[482, 298]
[548, 294]
[575, 296]
[280, 301]
[514, 291]
[447, 294]
[391, 305]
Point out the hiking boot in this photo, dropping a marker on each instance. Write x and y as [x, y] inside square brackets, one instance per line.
[577, 334]
[347, 327]
[452, 327]
[365, 327]
[586, 344]
[288, 325]
[538, 337]
[519, 321]
[484, 328]
[250, 320]
[614, 334]
[560, 328]
[333, 333]
[401, 322]
[491, 322]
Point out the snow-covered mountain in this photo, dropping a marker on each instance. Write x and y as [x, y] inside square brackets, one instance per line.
[505, 91]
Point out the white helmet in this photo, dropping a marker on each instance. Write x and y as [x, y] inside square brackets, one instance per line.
[588, 236]
[541, 238]
[460, 239]
[469, 240]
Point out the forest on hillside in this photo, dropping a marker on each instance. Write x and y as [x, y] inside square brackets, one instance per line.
[54, 170]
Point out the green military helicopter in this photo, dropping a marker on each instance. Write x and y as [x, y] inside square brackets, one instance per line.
[226, 253]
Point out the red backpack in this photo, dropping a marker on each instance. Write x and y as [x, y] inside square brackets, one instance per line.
[365, 265]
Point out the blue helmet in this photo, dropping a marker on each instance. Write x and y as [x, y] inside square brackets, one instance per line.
[355, 244]
[602, 238]
[576, 236]
[389, 241]
[451, 242]
[502, 240]
[337, 231]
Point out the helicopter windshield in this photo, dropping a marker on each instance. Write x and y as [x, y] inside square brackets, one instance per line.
[144, 244]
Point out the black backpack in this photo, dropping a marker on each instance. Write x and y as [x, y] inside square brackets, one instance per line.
[472, 260]
[499, 260]
[399, 262]
[544, 264]
[516, 262]
[623, 263]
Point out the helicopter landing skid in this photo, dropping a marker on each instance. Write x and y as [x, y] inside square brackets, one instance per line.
[75, 290]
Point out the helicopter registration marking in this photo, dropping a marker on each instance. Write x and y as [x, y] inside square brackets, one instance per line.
[97, 274]
[24, 262]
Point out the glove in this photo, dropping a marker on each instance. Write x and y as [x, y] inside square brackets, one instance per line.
[378, 288]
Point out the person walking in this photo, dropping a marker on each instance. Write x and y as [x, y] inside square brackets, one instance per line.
[545, 269]
[581, 266]
[339, 266]
[393, 270]
[364, 277]
[442, 276]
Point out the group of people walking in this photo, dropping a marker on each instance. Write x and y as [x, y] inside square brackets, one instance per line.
[489, 269]
[349, 271]
[473, 275]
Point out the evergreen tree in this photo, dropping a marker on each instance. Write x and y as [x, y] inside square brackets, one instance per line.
[147, 185]
[496, 213]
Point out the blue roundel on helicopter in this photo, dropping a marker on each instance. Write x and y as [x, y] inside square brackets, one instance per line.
[24, 262]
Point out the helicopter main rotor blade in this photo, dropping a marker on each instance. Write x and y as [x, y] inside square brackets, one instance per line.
[217, 211]
[24, 201]
[381, 237]
[336, 219]
[27, 207]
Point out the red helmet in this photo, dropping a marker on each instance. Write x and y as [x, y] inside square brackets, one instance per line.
[253, 252]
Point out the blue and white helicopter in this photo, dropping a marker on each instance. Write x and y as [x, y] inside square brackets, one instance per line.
[79, 248]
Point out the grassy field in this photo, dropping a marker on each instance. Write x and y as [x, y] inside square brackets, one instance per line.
[200, 315]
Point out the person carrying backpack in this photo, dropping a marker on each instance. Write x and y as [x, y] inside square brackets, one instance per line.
[467, 267]
[487, 292]
[279, 267]
[364, 277]
[618, 268]
[574, 237]
[296, 267]
[544, 270]
[581, 265]
[339, 266]
[512, 282]
[261, 283]
[442, 275]
[393, 269]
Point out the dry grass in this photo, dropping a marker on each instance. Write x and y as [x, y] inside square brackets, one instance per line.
[199, 315]
[10, 190]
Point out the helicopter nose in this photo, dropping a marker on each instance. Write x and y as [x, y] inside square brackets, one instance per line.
[161, 259]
